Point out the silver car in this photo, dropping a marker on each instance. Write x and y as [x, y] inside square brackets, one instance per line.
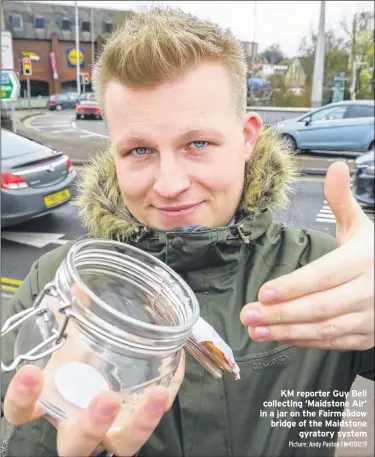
[35, 179]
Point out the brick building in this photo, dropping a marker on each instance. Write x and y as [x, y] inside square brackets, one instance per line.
[46, 33]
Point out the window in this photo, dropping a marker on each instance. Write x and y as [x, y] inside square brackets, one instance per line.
[330, 114]
[39, 22]
[108, 27]
[85, 26]
[355, 111]
[13, 145]
[16, 21]
[66, 24]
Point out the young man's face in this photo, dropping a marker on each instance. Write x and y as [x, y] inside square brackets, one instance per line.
[180, 151]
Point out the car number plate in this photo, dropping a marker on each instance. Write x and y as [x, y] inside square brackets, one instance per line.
[57, 197]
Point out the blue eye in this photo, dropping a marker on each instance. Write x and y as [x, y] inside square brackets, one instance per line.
[139, 151]
[199, 145]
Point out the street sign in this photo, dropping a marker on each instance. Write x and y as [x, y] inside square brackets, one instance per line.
[7, 61]
[338, 87]
[10, 86]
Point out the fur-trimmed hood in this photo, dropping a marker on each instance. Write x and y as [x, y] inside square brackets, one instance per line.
[269, 175]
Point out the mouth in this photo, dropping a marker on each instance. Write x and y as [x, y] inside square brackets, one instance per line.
[179, 212]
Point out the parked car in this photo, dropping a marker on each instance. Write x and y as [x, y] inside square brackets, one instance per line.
[87, 96]
[35, 179]
[342, 126]
[88, 108]
[61, 101]
[363, 181]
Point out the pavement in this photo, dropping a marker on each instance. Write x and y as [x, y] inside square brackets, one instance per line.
[82, 139]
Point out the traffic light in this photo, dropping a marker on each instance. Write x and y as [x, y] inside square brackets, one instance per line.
[26, 66]
[86, 78]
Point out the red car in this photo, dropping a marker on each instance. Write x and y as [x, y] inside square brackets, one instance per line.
[88, 108]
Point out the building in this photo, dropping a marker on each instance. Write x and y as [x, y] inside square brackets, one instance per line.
[299, 73]
[46, 33]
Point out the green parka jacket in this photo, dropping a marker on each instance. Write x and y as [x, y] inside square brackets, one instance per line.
[225, 267]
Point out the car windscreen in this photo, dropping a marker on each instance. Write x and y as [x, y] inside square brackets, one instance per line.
[13, 145]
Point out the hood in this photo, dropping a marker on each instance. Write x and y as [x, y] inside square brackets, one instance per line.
[268, 178]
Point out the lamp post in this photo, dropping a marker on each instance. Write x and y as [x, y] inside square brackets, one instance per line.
[318, 75]
[77, 52]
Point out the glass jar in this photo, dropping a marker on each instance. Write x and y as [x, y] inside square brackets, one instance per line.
[97, 327]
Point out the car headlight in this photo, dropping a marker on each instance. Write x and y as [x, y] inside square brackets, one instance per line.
[370, 169]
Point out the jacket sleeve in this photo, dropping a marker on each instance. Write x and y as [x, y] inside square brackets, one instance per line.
[320, 244]
[39, 437]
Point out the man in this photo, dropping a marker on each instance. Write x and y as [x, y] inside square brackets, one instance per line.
[192, 178]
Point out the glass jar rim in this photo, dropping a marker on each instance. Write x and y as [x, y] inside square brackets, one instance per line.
[166, 330]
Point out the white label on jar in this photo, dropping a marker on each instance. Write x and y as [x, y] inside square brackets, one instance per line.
[78, 383]
[202, 331]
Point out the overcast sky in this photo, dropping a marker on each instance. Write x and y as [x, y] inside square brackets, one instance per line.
[281, 22]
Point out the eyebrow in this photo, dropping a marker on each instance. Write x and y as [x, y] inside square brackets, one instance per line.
[136, 140]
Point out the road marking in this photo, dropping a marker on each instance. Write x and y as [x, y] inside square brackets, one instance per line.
[52, 124]
[13, 281]
[63, 130]
[87, 135]
[28, 122]
[11, 289]
[74, 124]
[34, 239]
[326, 216]
[10, 284]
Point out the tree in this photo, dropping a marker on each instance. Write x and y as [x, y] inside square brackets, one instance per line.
[360, 41]
[273, 54]
[336, 59]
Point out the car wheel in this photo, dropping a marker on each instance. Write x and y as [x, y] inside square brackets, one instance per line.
[58, 107]
[82, 116]
[77, 116]
[290, 142]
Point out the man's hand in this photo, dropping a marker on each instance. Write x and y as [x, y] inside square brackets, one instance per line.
[328, 303]
[89, 429]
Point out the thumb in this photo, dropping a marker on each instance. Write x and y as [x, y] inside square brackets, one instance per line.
[341, 200]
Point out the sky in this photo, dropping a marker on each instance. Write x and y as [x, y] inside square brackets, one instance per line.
[276, 22]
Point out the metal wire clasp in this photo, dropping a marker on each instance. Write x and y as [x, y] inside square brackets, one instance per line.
[57, 338]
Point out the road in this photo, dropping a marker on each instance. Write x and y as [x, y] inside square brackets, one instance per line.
[24, 244]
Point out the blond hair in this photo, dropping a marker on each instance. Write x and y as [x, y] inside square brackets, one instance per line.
[161, 44]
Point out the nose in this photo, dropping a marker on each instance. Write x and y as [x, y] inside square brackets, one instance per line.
[171, 179]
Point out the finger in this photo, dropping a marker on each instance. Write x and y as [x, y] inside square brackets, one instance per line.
[83, 435]
[322, 274]
[309, 308]
[140, 424]
[357, 342]
[22, 395]
[341, 200]
[176, 382]
[331, 329]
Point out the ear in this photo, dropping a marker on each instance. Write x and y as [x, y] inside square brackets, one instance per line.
[252, 126]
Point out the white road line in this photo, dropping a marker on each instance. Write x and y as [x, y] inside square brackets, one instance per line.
[61, 131]
[87, 135]
[326, 221]
[326, 216]
[326, 211]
